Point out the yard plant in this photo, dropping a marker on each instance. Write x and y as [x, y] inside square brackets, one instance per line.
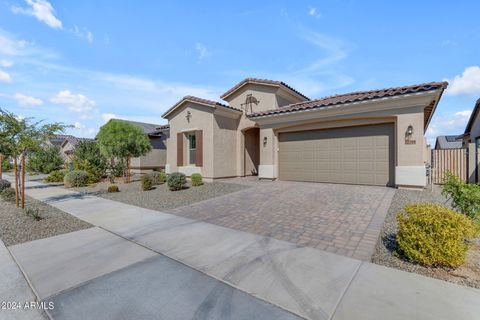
[4, 184]
[56, 176]
[196, 179]
[465, 197]
[75, 178]
[176, 181]
[113, 188]
[158, 177]
[45, 160]
[433, 235]
[147, 182]
[8, 194]
[88, 158]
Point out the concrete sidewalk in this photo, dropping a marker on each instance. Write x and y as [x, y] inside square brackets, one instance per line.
[308, 282]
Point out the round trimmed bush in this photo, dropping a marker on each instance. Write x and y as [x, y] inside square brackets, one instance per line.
[196, 179]
[4, 184]
[176, 181]
[8, 194]
[56, 176]
[147, 182]
[434, 235]
[75, 178]
[158, 177]
[113, 188]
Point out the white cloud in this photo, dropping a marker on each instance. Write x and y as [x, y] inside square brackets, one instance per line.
[6, 63]
[42, 10]
[468, 83]
[314, 13]
[75, 102]
[450, 124]
[107, 116]
[334, 49]
[446, 43]
[5, 77]
[10, 46]
[202, 50]
[83, 33]
[25, 101]
[79, 125]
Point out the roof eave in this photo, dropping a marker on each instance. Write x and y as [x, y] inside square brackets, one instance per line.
[474, 114]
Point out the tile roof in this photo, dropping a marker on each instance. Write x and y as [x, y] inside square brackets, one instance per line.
[198, 100]
[262, 81]
[448, 142]
[59, 139]
[148, 128]
[352, 97]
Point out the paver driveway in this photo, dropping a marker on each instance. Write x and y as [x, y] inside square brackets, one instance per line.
[343, 219]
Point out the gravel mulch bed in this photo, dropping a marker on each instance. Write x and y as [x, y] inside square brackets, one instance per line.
[17, 227]
[161, 198]
[468, 274]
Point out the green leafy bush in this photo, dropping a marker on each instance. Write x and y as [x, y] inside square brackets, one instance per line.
[113, 188]
[34, 213]
[6, 165]
[465, 197]
[147, 182]
[433, 235]
[8, 194]
[45, 160]
[176, 181]
[56, 176]
[4, 184]
[196, 179]
[75, 178]
[88, 158]
[118, 168]
[158, 177]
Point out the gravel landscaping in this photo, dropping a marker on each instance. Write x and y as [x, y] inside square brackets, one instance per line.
[467, 274]
[17, 227]
[160, 198]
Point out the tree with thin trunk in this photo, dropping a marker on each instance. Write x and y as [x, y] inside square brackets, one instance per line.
[123, 141]
[18, 137]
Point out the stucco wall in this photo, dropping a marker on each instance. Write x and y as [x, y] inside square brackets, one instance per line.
[225, 146]
[475, 131]
[252, 152]
[201, 119]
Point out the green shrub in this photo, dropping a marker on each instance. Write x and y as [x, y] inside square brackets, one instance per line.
[8, 194]
[176, 181]
[118, 168]
[196, 179]
[6, 165]
[75, 178]
[113, 188]
[34, 213]
[87, 157]
[45, 160]
[433, 235]
[147, 182]
[158, 177]
[56, 176]
[465, 197]
[4, 184]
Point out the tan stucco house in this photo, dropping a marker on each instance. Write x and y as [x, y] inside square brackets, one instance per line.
[471, 140]
[269, 129]
[67, 144]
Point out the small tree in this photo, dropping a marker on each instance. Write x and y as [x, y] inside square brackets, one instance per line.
[18, 136]
[45, 160]
[122, 140]
[88, 157]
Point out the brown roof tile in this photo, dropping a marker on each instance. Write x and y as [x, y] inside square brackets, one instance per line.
[261, 81]
[353, 97]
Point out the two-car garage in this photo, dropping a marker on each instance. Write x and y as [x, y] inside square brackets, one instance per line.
[353, 155]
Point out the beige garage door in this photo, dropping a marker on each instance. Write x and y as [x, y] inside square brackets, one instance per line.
[355, 155]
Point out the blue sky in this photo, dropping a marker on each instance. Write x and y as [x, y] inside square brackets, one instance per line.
[83, 62]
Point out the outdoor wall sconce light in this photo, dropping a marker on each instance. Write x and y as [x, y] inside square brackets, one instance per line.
[188, 116]
[408, 135]
[264, 141]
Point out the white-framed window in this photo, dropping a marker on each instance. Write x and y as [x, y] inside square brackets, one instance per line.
[192, 148]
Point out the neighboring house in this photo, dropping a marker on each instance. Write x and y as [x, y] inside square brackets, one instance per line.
[448, 142]
[471, 139]
[271, 130]
[67, 144]
[156, 158]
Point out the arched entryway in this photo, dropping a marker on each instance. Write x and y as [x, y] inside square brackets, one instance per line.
[251, 151]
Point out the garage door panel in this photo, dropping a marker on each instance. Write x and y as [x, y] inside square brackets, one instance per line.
[356, 155]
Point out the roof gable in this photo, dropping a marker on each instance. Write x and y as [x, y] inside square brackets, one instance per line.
[473, 116]
[279, 84]
[198, 101]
